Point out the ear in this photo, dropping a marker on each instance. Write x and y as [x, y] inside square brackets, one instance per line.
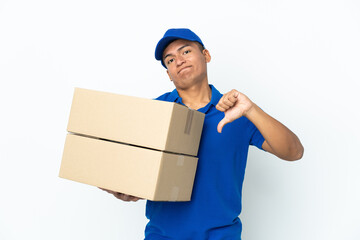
[207, 55]
[167, 71]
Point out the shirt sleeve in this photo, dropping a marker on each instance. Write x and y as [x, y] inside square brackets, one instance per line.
[256, 138]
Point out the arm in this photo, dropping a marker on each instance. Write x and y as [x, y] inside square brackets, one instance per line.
[279, 140]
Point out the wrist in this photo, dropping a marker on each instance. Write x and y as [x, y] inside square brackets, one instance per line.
[251, 112]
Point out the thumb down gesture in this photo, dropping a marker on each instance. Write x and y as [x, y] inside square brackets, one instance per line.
[235, 105]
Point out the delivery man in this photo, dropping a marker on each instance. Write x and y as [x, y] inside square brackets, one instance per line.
[232, 123]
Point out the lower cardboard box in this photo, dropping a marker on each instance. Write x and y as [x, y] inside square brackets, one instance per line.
[136, 171]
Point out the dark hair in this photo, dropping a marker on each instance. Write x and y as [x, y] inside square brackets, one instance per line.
[201, 47]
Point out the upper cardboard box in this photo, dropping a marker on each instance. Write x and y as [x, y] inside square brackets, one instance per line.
[143, 122]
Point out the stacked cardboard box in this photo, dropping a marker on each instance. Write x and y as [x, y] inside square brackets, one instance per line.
[141, 147]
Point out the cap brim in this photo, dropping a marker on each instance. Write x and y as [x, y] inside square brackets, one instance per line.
[162, 44]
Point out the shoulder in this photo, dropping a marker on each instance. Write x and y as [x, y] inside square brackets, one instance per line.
[169, 96]
[164, 97]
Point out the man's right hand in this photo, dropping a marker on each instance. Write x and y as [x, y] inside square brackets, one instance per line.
[122, 196]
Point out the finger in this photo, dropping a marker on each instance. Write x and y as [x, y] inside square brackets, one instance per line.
[223, 105]
[126, 197]
[120, 196]
[131, 198]
[219, 104]
[230, 99]
[117, 195]
[233, 97]
[221, 124]
[228, 102]
[134, 199]
[218, 107]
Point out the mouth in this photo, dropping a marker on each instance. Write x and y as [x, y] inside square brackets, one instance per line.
[183, 69]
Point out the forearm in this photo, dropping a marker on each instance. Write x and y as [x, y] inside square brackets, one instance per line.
[279, 140]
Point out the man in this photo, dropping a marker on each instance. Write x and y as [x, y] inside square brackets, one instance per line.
[232, 123]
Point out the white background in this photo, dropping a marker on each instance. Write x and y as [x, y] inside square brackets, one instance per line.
[298, 60]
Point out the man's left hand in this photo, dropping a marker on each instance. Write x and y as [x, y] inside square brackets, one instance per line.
[235, 105]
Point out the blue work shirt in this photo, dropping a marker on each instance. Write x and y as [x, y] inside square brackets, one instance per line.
[215, 204]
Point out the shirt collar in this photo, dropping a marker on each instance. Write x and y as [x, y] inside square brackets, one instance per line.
[215, 97]
[174, 96]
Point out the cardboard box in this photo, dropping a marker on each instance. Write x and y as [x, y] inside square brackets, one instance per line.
[149, 123]
[136, 171]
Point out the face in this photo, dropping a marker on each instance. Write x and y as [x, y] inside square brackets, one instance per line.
[186, 63]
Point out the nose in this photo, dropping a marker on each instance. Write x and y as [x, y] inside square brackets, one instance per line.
[180, 60]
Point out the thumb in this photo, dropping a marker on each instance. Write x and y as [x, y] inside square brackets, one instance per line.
[221, 124]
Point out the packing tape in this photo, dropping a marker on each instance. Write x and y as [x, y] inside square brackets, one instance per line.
[189, 119]
[180, 161]
[174, 193]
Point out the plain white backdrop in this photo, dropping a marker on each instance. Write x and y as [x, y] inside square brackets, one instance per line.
[298, 60]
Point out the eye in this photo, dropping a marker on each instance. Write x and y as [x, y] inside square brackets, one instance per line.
[186, 51]
[170, 61]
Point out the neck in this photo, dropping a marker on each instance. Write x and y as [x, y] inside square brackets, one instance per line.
[196, 96]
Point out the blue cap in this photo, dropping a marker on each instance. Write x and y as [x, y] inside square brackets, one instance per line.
[172, 35]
